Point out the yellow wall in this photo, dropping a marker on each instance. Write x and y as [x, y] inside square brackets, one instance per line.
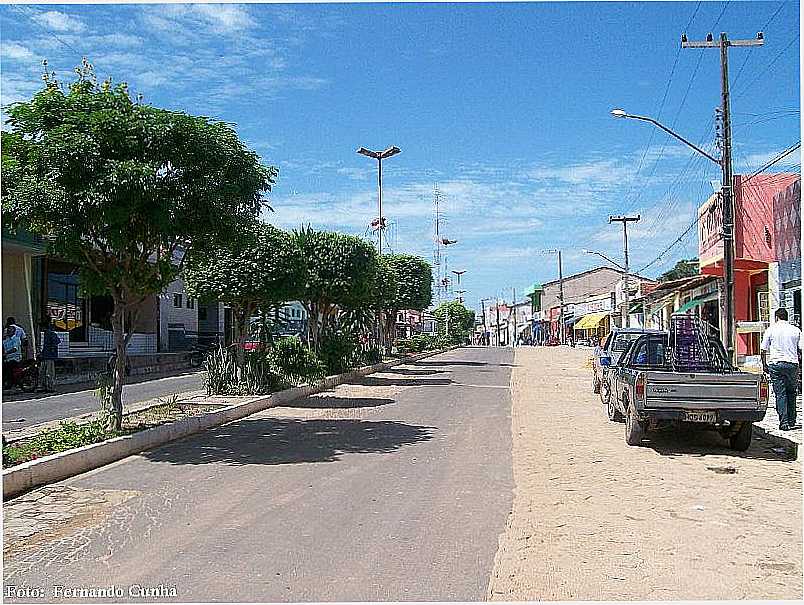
[15, 294]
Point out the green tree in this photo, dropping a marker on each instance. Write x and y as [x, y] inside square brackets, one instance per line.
[455, 322]
[339, 273]
[123, 189]
[258, 269]
[683, 268]
[404, 281]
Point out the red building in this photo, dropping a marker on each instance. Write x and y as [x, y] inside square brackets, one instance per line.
[760, 221]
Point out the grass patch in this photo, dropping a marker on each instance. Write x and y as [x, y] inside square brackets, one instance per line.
[70, 435]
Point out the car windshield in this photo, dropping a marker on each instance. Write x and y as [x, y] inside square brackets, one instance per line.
[622, 341]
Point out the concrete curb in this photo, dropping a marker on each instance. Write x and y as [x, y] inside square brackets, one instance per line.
[23, 477]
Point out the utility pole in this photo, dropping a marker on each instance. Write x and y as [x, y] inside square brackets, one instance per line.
[626, 318]
[513, 308]
[727, 186]
[561, 327]
[498, 322]
[483, 311]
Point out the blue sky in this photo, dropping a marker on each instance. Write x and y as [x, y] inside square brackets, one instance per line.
[505, 106]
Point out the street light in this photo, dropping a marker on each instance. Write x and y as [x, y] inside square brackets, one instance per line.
[603, 256]
[620, 113]
[728, 216]
[459, 273]
[379, 156]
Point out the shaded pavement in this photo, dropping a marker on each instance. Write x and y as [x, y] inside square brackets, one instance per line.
[394, 487]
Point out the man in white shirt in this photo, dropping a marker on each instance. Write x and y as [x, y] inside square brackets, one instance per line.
[781, 344]
[19, 333]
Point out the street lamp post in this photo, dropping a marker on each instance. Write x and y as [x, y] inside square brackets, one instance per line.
[379, 156]
[458, 274]
[728, 222]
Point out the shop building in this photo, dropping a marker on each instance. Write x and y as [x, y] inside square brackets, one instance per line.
[766, 249]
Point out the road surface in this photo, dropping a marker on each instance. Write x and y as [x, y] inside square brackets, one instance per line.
[38, 408]
[396, 487]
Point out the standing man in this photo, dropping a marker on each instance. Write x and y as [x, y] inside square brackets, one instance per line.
[12, 354]
[48, 357]
[19, 333]
[780, 359]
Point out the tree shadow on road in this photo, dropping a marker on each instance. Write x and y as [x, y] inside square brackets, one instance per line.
[380, 381]
[700, 443]
[289, 441]
[413, 372]
[447, 362]
[333, 402]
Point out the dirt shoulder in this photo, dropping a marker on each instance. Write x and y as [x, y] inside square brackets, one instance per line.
[681, 518]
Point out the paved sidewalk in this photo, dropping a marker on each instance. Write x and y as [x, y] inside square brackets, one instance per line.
[770, 425]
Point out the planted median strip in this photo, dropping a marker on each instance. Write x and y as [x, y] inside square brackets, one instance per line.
[69, 435]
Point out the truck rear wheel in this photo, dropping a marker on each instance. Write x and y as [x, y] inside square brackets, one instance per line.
[741, 440]
[634, 431]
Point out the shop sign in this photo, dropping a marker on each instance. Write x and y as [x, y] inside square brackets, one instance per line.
[710, 229]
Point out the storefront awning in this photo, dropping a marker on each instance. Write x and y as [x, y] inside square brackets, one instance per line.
[590, 321]
[696, 302]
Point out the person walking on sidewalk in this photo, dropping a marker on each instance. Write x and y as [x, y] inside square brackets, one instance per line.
[48, 357]
[780, 359]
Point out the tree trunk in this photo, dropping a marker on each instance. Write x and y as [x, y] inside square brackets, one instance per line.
[119, 373]
[391, 330]
[240, 315]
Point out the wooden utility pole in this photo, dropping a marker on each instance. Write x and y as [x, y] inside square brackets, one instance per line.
[727, 186]
[626, 318]
[513, 308]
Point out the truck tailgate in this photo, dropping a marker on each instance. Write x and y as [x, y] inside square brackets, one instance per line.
[702, 391]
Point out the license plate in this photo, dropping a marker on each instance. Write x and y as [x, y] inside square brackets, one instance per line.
[710, 417]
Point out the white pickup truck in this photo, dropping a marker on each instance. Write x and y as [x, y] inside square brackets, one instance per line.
[648, 395]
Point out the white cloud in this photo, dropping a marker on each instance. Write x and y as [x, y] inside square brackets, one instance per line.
[60, 22]
[224, 17]
[18, 52]
[191, 19]
[755, 161]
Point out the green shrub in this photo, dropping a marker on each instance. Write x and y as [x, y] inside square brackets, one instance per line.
[295, 362]
[420, 343]
[68, 435]
[339, 350]
[221, 375]
[370, 356]
[257, 378]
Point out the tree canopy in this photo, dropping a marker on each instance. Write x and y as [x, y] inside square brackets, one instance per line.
[404, 282]
[683, 268]
[338, 269]
[260, 267]
[455, 321]
[123, 189]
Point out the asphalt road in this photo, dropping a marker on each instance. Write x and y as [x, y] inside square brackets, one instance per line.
[394, 488]
[38, 408]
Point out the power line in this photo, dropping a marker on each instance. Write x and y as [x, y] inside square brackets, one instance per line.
[29, 15]
[764, 27]
[778, 158]
[767, 67]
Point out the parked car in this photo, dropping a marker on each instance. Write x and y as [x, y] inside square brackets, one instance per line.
[648, 395]
[614, 344]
